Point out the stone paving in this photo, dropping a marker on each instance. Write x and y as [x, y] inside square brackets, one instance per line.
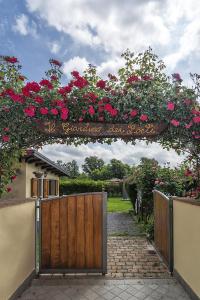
[122, 224]
[134, 257]
[100, 289]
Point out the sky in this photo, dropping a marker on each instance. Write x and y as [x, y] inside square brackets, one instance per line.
[79, 32]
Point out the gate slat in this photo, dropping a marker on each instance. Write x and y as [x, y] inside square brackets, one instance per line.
[89, 232]
[80, 246]
[63, 233]
[97, 206]
[163, 228]
[55, 233]
[45, 235]
[71, 232]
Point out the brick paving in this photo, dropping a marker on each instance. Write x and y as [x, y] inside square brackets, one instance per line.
[99, 289]
[123, 224]
[134, 257]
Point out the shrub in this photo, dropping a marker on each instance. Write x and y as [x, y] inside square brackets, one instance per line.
[85, 185]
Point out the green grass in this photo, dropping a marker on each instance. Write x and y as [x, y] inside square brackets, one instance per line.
[118, 205]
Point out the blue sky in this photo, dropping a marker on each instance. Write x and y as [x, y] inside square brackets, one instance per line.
[79, 32]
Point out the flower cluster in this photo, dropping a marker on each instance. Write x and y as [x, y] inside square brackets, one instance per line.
[143, 96]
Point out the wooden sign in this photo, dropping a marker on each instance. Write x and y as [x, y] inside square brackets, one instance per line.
[98, 130]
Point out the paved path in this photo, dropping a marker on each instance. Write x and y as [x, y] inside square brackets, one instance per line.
[100, 289]
[122, 224]
[134, 257]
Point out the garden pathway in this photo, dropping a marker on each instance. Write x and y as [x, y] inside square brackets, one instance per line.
[130, 255]
[123, 223]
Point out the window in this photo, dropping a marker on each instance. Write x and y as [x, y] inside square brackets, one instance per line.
[53, 187]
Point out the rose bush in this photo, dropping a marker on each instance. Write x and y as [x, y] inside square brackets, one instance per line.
[140, 93]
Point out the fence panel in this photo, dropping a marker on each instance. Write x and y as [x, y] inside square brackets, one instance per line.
[73, 234]
[163, 227]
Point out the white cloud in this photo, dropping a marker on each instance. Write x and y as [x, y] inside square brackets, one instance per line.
[116, 25]
[113, 25]
[54, 47]
[24, 26]
[128, 153]
[75, 63]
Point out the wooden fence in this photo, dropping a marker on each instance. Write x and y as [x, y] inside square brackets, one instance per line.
[73, 234]
[163, 227]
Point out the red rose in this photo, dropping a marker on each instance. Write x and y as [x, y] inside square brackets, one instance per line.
[55, 62]
[5, 138]
[54, 111]
[170, 106]
[80, 119]
[6, 129]
[134, 113]
[46, 83]
[91, 110]
[9, 189]
[30, 111]
[13, 177]
[101, 84]
[133, 78]
[44, 110]
[114, 112]
[80, 82]
[108, 107]
[146, 77]
[75, 74]
[11, 59]
[143, 117]
[39, 99]
[32, 86]
[64, 113]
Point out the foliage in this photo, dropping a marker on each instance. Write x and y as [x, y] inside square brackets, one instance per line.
[118, 205]
[91, 164]
[70, 167]
[115, 169]
[170, 181]
[140, 93]
[84, 185]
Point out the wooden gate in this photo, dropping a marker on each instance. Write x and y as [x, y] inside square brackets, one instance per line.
[163, 227]
[73, 234]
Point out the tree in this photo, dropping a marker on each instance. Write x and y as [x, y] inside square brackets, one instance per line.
[71, 168]
[92, 163]
[117, 169]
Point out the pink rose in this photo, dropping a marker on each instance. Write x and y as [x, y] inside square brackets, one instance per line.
[134, 113]
[170, 106]
[175, 122]
[143, 117]
[5, 138]
[44, 110]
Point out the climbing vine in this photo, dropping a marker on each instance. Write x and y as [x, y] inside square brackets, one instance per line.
[140, 93]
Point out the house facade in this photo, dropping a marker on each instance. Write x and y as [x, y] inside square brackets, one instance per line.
[26, 185]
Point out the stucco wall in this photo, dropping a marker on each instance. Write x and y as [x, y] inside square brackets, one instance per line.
[17, 246]
[30, 168]
[187, 243]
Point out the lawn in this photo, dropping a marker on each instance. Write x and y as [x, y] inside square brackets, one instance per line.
[118, 205]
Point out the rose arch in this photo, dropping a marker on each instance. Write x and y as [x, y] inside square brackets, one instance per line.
[141, 101]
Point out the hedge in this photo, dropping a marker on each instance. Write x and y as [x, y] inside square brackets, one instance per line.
[73, 186]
